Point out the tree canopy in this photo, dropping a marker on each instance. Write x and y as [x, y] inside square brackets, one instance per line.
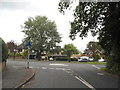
[70, 49]
[102, 18]
[42, 33]
[93, 46]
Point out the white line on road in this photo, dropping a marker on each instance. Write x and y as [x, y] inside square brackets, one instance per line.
[59, 69]
[100, 73]
[30, 67]
[44, 68]
[80, 79]
[84, 82]
[95, 67]
[58, 64]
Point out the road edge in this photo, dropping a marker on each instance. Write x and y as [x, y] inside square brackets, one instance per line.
[26, 80]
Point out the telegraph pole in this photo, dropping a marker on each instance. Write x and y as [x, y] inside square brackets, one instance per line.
[28, 56]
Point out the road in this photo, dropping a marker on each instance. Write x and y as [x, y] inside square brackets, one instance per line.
[69, 75]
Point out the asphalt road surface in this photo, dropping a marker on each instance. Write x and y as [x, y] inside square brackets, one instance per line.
[69, 75]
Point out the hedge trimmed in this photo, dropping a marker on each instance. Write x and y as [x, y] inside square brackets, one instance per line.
[4, 50]
[65, 59]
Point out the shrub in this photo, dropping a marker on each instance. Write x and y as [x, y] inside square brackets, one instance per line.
[96, 57]
[18, 54]
[65, 59]
[4, 50]
[24, 53]
[74, 59]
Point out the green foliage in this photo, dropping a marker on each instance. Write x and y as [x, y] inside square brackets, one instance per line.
[70, 49]
[96, 57]
[4, 50]
[24, 53]
[65, 59]
[112, 67]
[42, 33]
[10, 54]
[100, 18]
[18, 54]
[93, 46]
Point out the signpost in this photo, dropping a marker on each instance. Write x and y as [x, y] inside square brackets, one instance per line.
[28, 45]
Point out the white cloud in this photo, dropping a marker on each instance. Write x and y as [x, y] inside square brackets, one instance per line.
[11, 19]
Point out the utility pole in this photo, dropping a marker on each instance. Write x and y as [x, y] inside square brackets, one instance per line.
[28, 56]
[28, 45]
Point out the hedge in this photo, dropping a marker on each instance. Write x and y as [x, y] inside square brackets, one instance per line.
[65, 59]
[4, 50]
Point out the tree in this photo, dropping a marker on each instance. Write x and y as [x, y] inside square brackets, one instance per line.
[11, 46]
[100, 18]
[42, 33]
[70, 49]
[4, 50]
[92, 47]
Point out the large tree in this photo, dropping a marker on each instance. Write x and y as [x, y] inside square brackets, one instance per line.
[70, 49]
[93, 46]
[102, 18]
[42, 33]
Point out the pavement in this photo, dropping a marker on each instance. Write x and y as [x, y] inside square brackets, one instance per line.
[14, 76]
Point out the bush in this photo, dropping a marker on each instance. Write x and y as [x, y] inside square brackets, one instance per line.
[18, 54]
[112, 67]
[4, 50]
[24, 54]
[74, 59]
[10, 54]
[65, 59]
[96, 57]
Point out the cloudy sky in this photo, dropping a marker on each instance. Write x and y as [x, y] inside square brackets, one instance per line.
[13, 13]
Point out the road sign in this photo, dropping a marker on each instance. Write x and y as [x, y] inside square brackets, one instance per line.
[29, 44]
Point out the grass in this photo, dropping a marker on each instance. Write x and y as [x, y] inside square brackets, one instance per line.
[76, 62]
[102, 69]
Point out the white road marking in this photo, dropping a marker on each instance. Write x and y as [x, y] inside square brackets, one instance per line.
[31, 67]
[95, 67]
[67, 69]
[59, 64]
[80, 79]
[100, 73]
[15, 66]
[59, 68]
[84, 82]
[44, 68]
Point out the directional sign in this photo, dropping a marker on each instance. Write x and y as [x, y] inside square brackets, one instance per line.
[28, 44]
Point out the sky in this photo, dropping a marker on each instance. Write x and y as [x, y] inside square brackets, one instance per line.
[13, 14]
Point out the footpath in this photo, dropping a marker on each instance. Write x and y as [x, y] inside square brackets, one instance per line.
[14, 76]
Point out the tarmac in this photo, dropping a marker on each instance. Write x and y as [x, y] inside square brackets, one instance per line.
[15, 77]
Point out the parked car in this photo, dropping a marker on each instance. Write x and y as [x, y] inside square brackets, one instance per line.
[83, 59]
[101, 60]
[51, 59]
[91, 59]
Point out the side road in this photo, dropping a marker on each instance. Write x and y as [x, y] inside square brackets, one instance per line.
[14, 76]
